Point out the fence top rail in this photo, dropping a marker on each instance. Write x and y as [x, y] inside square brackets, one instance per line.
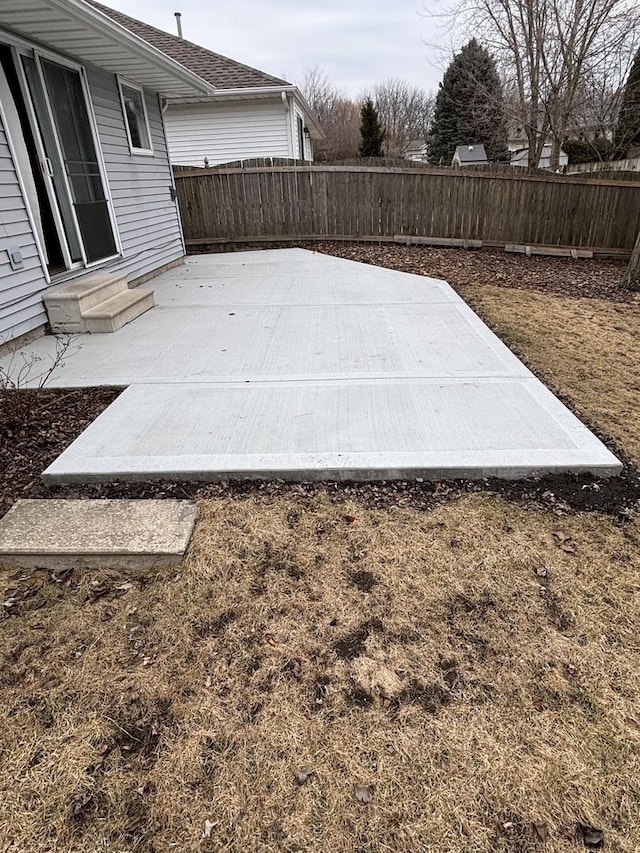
[576, 180]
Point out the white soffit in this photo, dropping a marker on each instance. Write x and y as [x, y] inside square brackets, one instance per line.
[75, 28]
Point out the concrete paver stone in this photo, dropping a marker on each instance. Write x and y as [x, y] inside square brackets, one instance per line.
[123, 534]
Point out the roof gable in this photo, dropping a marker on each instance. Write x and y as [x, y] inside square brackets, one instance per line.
[218, 70]
[471, 153]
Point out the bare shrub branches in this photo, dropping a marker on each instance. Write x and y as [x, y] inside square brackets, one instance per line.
[24, 369]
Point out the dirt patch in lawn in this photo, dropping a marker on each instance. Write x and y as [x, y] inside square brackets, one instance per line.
[320, 674]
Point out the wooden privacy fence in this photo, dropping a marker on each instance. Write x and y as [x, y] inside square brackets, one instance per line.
[632, 164]
[446, 205]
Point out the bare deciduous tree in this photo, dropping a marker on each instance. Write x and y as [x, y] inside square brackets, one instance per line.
[405, 113]
[553, 53]
[319, 92]
[338, 115]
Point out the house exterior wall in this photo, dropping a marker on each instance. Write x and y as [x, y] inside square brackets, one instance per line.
[21, 307]
[225, 131]
[147, 218]
[520, 155]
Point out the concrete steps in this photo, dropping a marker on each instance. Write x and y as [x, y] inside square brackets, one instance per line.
[101, 302]
[98, 534]
[113, 313]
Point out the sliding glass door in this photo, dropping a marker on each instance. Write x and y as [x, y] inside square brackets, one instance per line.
[80, 159]
[71, 163]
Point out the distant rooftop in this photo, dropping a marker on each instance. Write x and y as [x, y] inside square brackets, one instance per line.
[218, 70]
[471, 153]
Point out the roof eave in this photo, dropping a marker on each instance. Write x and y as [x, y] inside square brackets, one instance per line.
[97, 20]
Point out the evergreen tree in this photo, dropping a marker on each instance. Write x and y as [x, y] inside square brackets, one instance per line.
[628, 129]
[469, 107]
[370, 131]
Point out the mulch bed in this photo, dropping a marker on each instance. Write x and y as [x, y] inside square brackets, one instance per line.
[37, 425]
[597, 278]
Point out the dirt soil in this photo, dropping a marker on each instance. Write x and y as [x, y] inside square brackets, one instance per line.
[377, 667]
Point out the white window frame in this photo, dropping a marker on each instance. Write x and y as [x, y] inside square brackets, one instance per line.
[147, 152]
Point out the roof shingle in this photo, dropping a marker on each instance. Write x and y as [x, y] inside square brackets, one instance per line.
[218, 70]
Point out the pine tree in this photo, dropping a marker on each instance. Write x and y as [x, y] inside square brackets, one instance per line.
[628, 129]
[370, 131]
[469, 107]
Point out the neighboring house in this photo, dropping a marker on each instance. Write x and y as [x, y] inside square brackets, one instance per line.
[250, 114]
[518, 146]
[416, 150]
[520, 154]
[469, 155]
[86, 179]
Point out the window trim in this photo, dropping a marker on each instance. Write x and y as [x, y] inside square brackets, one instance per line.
[146, 152]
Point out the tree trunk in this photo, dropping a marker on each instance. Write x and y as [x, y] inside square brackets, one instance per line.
[555, 154]
[536, 141]
[631, 278]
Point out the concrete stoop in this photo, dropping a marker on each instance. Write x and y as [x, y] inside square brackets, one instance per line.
[101, 302]
[96, 534]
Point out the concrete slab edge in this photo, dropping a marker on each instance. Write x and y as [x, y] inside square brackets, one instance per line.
[60, 562]
[307, 475]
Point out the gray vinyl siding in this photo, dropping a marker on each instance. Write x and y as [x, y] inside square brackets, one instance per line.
[147, 217]
[21, 307]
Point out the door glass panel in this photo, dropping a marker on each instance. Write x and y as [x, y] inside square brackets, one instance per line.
[73, 126]
[55, 164]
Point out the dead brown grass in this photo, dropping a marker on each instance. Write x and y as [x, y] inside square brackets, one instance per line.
[470, 673]
[587, 348]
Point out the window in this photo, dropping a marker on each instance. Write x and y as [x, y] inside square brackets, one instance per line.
[135, 116]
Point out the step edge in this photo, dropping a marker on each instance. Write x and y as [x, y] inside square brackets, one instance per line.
[101, 311]
[61, 293]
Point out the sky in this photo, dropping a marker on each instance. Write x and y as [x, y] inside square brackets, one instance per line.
[355, 42]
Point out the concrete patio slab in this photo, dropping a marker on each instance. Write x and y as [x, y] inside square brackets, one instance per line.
[204, 286]
[310, 342]
[294, 364]
[385, 429]
[119, 534]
